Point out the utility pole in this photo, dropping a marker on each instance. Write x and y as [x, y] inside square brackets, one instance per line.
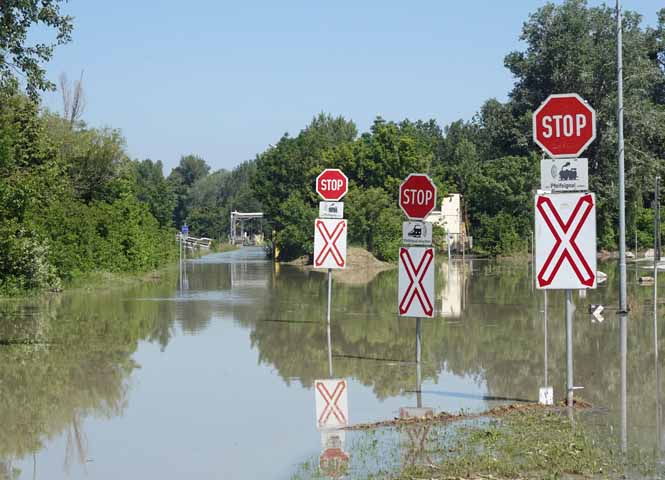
[656, 238]
[623, 300]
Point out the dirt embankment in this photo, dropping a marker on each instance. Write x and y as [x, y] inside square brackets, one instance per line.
[361, 266]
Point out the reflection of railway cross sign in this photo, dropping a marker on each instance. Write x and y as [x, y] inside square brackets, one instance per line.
[564, 125]
[332, 405]
[416, 282]
[566, 241]
[330, 243]
[415, 448]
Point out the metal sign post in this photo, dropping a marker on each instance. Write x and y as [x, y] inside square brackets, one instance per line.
[564, 125]
[330, 369]
[570, 308]
[184, 235]
[419, 393]
[180, 260]
[330, 234]
[566, 255]
[623, 290]
[415, 290]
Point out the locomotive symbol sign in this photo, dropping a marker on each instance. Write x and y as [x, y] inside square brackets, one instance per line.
[564, 174]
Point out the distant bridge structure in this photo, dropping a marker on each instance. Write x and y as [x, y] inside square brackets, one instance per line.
[238, 234]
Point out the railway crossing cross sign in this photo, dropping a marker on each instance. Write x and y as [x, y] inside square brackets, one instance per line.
[416, 282]
[332, 403]
[565, 241]
[330, 243]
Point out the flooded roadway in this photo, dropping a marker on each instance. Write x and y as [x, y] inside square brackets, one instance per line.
[217, 381]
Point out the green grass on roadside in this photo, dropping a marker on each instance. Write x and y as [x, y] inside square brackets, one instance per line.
[530, 444]
[224, 247]
[534, 443]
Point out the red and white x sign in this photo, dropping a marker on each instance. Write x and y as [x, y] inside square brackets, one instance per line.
[566, 241]
[416, 282]
[332, 405]
[329, 243]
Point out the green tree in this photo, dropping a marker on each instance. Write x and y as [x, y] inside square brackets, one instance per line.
[153, 189]
[285, 176]
[571, 48]
[500, 203]
[190, 169]
[17, 55]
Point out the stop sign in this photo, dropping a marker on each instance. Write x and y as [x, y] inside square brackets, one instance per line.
[564, 125]
[332, 184]
[417, 196]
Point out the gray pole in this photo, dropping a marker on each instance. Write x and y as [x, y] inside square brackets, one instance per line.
[545, 329]
[330, 370]
[656, 260]
[328, 322]
[329, 294]
[569, 347]
[623, 295]
[656, 226]
[656, 216]
[184, 262]
[180, 260]
[533, 260]
[419, 395]
[623, 334]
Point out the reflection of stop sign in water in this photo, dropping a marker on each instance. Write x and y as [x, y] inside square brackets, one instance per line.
[332, 184]
[564, 125]
[417, 196]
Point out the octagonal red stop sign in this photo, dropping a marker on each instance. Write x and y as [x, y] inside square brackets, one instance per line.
[564, 125]
[332, 184]
[417, 196]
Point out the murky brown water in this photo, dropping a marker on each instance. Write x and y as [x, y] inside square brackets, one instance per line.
[217, 382]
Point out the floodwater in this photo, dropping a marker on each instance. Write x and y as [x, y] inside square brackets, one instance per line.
[217, 381]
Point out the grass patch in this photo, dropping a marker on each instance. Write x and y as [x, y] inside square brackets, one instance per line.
[224, 247]
[530, 442]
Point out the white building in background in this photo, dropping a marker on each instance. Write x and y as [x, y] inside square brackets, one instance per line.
[450, 216]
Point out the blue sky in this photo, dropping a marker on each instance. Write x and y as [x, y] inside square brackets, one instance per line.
[226, 79]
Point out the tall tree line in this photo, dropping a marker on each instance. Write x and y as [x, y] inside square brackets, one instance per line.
[490, 159]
